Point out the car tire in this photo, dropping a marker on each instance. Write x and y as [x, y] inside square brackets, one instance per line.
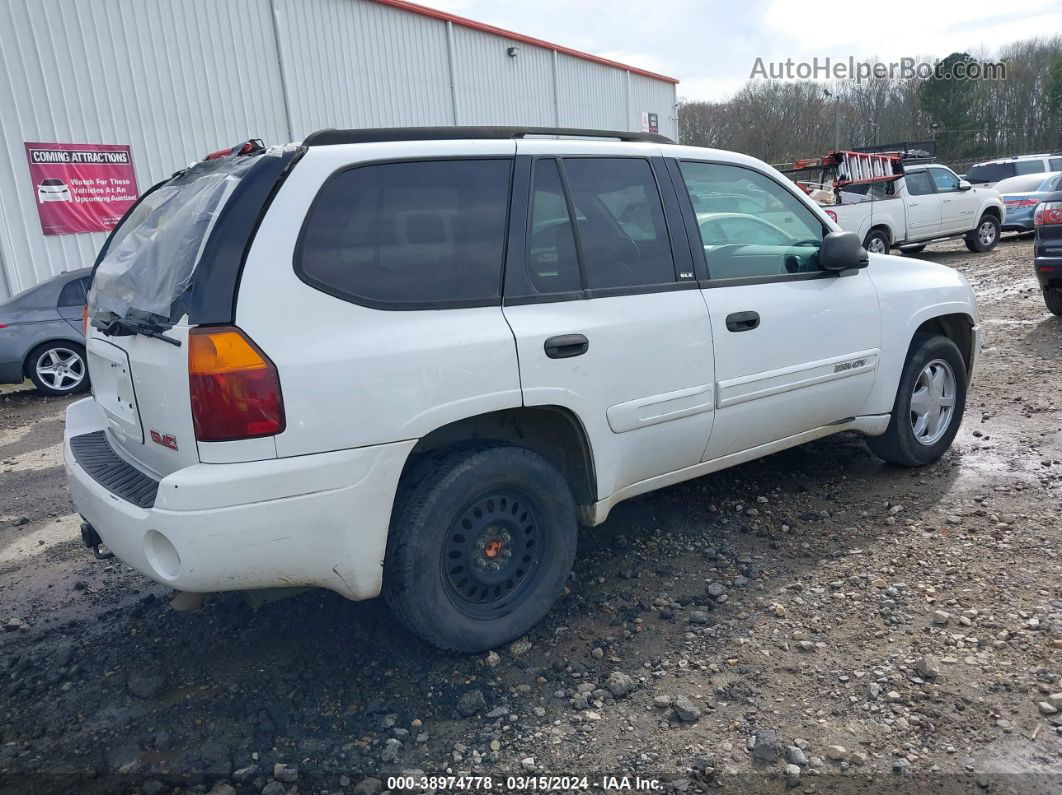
[480, 548]
[58, 368]
[908, 441]
[1053, 299]
[985, 237]
[916, 249]
[877, 242]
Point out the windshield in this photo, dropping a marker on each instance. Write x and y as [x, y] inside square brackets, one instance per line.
[149, 263]
[990, 172]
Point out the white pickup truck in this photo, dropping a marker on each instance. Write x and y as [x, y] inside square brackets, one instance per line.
[927, 203]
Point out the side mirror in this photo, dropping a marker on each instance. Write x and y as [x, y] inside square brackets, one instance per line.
[964, 185]
[842, 251]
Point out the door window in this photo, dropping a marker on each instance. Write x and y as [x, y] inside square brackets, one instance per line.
[918, 183]
[620, 228]
[552, 262]
[750, 225]
[944, 180]
[410, 235]
[1029, 167]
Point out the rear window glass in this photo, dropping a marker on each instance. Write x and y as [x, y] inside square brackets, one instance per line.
[410, 234]
[73, 293]
[150, 261]
[991, 172]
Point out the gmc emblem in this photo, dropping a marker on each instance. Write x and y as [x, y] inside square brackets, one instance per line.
[169, 441]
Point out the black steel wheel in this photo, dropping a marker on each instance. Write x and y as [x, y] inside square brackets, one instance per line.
[480, 547]
[492, 552]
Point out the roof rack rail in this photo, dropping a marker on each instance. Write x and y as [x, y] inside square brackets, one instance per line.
[330, 136]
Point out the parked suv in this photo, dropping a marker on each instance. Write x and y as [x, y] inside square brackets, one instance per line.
[990, 172]
[416, 360]
[1047, 248]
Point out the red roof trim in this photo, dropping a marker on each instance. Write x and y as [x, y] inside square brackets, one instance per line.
[482, 26]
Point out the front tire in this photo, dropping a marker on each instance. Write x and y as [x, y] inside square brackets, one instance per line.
[985, 237]
[929, 406]
[1053, 299]
[58, 368]
[481, 548]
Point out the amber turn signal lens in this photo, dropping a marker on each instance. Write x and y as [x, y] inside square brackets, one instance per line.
[234, 388]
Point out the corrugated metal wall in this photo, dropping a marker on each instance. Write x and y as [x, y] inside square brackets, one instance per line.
[179, 78]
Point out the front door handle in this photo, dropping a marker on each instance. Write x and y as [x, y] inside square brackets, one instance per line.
[742, 321]
[566, 346]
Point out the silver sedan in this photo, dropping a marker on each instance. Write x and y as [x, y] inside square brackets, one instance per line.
[42, 335]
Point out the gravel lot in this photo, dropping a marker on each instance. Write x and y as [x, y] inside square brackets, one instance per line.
[815, 620]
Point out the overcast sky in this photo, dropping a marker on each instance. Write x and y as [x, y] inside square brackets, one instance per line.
[711, 45]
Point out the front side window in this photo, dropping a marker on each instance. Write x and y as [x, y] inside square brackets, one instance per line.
[751, 226]
[424, 233]
[919, 183]
[1055, 163]
[620, 224]
[944, 180]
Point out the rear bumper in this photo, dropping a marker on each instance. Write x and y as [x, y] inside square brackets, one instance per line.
[1048, 270]
[315, 520]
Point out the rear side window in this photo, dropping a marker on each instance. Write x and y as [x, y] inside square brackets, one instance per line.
[918, 183]
[410, 235]
[619, 222]
[991, 172]
[552, 262]
[1029, 167]
[73, 293]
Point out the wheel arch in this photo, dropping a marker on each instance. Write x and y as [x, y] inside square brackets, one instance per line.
[881, 227]
[957, 326]
[554, 432]
[991, 209]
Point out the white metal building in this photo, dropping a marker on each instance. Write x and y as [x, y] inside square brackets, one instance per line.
[175, 79]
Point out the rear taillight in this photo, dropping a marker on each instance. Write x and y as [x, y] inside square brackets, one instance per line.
[1048, 214]
[1021, 202]
[833, 215]
[235, 389]
[84, 319]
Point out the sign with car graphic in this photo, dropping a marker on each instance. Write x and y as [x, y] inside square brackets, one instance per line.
[81, 187]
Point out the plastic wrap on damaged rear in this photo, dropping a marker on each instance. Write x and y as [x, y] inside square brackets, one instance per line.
[147, 272]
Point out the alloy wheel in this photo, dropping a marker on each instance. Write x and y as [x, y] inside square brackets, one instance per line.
[933, 402]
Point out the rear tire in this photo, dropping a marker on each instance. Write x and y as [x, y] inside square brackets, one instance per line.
[1053, 299]
[911, 440]
[58, 368]
[480, 548]
[877, 242]
[985, 237]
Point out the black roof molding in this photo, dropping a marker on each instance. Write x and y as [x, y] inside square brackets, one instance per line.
[331, 137]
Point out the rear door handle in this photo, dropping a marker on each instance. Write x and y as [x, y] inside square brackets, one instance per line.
[742, 321]
[566, 346]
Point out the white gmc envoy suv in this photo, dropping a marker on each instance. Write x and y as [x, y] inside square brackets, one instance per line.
[415, 360]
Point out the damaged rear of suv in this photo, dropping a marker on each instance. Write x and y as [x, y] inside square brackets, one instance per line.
[412, 361]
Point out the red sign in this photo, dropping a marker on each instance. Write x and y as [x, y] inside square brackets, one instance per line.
[81, 187]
